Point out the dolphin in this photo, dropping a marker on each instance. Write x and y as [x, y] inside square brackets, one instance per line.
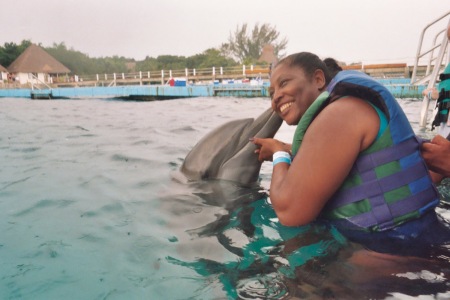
[206, 211]
[226, 153]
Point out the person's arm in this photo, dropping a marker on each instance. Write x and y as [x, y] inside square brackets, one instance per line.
[330, 147]
[437, 157]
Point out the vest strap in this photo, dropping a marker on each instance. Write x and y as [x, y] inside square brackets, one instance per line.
[380, 186]
[387, 155]
[443, 76]
[443, 94]
[422, 201]
[443, 108]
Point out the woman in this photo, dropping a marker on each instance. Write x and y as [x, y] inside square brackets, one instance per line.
[356, 160]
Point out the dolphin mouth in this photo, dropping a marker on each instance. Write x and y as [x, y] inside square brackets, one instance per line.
[226, 153]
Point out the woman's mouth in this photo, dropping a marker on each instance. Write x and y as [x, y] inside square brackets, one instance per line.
[285, 106]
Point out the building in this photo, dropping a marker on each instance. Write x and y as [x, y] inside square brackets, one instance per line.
[36, 66]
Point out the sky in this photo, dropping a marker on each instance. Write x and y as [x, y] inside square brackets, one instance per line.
[366, 31]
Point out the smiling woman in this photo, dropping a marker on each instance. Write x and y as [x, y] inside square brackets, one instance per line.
[356, 159]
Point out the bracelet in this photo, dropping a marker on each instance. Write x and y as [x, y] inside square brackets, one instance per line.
[281, 160]
[281, 154]
[281, 157]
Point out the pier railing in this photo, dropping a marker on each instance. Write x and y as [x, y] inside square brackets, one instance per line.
[210, 75]
[243, 73]
[194, 76]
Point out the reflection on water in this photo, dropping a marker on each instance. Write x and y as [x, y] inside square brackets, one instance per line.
[89, 210]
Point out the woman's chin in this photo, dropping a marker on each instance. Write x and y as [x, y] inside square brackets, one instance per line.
[290, 120]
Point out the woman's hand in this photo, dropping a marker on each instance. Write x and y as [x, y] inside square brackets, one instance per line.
[267, 147]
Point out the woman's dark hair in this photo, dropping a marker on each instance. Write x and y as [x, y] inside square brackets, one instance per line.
[332, 66]
[310, 62]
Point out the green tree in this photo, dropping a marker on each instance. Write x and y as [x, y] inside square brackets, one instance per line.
[246, 47]
[10, 51]
[78, 63]
[148, 64]
[171, 62]
[209, 58]
[81, 64]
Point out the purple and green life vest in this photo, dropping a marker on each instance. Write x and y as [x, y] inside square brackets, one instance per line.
[389, 183]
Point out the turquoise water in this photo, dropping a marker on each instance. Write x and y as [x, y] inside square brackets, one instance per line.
[89, 210]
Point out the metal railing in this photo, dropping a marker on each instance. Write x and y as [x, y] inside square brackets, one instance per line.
[36, 86]
[440, 45]
[162, 76]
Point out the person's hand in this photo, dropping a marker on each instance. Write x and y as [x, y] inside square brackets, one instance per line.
[267, 147]
[437, 155]
[431, 93]
[436, 178]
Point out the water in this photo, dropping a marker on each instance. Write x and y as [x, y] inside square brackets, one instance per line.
[89, 210]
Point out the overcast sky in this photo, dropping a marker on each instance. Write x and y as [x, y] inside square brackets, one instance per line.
[368, 31]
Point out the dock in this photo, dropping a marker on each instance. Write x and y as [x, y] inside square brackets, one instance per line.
[140, 92]
[221, 82]
[399, 87]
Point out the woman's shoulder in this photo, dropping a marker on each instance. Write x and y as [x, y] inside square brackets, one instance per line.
[350, 118]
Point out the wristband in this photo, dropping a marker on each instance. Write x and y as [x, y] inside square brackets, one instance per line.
[281, 160]
[280, 154]
[281, 157]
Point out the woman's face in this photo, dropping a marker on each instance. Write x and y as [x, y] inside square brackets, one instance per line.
[292, 92]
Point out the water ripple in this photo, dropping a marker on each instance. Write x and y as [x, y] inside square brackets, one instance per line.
[42, 204]
[267, 286]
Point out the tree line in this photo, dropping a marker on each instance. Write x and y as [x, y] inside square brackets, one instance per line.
[242, 47]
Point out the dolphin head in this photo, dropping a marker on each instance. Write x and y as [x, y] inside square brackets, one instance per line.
[226, 153]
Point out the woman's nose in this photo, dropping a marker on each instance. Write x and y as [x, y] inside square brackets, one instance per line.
[275, 97]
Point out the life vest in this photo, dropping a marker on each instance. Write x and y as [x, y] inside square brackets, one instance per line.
[389, 183]
[443, 102]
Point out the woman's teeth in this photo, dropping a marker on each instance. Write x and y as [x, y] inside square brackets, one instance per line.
[284, 106]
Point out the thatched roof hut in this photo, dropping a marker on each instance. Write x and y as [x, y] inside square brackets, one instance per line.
[35, 60]
[35, 65]
[3, 69]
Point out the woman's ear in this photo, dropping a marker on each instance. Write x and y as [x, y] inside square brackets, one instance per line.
[319, 79]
